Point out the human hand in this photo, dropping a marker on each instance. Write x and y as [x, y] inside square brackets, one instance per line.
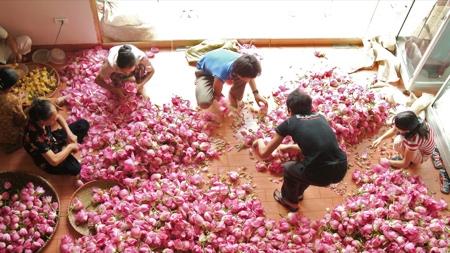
[256, 145]
[71, 138]
[262, 103]
[376, 142]
[61, 100]
[22, 96]
[284, 148]
[74, 147]
[16, 57]
[289, 148]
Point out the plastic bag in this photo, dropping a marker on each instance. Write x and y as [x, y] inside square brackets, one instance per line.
[120, 25]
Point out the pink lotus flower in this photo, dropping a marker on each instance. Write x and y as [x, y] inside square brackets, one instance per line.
[196, 179]
[234, 176]
[163, 204]
[7, 185]
[129, 165]
[26, 219]
[77, 205]
[81, 217]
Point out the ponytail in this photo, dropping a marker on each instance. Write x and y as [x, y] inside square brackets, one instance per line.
[125, 57]
[421, 129]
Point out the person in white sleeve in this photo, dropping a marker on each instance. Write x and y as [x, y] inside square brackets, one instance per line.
[12, 49]
[124, 63]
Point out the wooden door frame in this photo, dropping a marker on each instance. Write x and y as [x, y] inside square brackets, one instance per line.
[98, 31]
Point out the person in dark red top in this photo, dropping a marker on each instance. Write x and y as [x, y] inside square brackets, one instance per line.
[52, 150]
[324, 162]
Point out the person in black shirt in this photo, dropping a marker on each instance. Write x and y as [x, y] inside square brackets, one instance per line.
[52, 150]
[324, 162]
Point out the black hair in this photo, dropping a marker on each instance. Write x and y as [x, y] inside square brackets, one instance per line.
[8, 77]
[125, 57]
[40, 109]
[299, 102]
[247, 66]
[408, 121]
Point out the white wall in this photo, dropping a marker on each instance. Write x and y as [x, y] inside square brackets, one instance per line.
[35, 18]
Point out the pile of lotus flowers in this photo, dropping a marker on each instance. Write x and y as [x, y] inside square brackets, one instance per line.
[391, 212]
[162, 205]
[132, 137]
[27, 217]
[353, 111]
[178, 212]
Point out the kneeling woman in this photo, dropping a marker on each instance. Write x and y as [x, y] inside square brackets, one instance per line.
[52, 150]
[414, 140]
[324, 162]
[125, 62]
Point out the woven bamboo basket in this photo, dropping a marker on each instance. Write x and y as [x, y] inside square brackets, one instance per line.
[84, 194]
[26, 68]
[20, 179]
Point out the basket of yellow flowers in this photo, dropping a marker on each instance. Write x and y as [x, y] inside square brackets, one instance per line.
[40, 80]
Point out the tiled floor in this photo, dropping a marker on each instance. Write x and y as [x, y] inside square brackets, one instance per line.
[174, 76]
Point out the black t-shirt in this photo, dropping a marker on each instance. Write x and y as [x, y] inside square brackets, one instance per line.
[38, 140]
[314, 136]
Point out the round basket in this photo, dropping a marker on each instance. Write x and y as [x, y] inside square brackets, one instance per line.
[57, 56]
[20, 179]
[20, 91]
[51, 70]
[41, 55]
[84, 194]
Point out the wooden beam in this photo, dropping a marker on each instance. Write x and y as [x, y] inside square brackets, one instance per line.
[175, 44]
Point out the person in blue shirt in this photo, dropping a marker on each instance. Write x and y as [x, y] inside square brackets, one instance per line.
[221, 66]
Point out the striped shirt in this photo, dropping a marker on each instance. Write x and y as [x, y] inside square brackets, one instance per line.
[424, 145]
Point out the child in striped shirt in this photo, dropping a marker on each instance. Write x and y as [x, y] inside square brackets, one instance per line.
[414, 141]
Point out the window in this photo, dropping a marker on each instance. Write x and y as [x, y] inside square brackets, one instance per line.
[288, 19]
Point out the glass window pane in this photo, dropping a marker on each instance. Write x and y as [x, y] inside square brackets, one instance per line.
[437, 66]
[264, 19]
[441, 107]
[419, 28]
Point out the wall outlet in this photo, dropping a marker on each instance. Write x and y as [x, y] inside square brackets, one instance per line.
[60, 20]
